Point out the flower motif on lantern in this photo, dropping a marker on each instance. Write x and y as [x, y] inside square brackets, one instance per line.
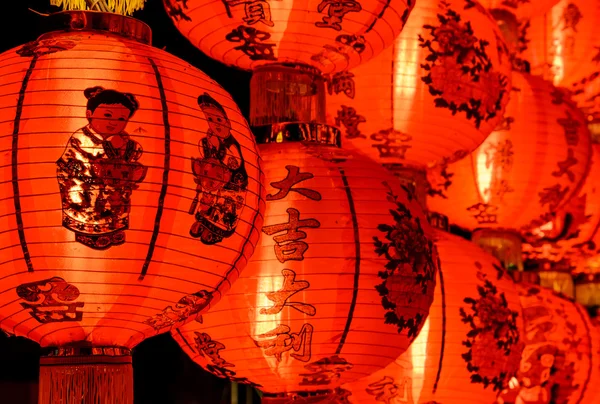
[409, 253]
[51, 300]
[456, 58]
[493, 342]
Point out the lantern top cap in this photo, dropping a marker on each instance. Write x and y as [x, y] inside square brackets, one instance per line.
[110, 23]
[298, 132]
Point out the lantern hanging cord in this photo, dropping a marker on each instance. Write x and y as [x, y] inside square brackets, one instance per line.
[124, 7]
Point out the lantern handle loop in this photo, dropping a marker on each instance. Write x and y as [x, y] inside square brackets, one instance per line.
[37, 12]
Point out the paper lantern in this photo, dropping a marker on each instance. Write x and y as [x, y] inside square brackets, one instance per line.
[526, 170]
[448, 69]
[562, 44]
[470, 345]
[330, 36]
[339, 286]
[560, 355]
[132, 198]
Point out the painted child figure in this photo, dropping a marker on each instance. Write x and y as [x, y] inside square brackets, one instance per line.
[99, 169]
[220, 175]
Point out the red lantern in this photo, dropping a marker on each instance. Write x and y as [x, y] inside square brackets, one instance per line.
[339, 286]
[131, 202]
[448, 69]
[469, 348]
[562, 45]
[560, 356]
[327, 35]
[526, 170]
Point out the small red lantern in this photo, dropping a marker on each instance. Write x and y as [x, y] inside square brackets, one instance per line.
[449, 68]
[528, 169]
[470, 346]
[132, 198]
[340, 283]
[562, 45]
[561, 352]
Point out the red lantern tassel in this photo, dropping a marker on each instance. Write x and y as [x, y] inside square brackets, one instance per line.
[80, 378]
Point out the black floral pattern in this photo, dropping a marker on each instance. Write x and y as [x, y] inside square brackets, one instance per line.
[494, 347]
[456, 60]
[44, 47]
[409, 275]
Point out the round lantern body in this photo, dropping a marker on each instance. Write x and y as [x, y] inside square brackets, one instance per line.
[448, 69]
[132, 192]
[470, 345]
[327, 35]
[339, 286]
[526, 170]
[569, 236]
[562, 45]
[560, 355]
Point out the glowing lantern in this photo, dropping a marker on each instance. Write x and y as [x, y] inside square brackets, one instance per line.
[448, 69]
[562, 45]
[526, 170]
[339, 286]
[470, 345]
[132, 198]
[289, 46]
[327, 35]
[561, 352]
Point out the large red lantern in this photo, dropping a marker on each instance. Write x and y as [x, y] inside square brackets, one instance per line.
[132, 198]
[525, 172]
[470, 346]
[330, 36]
[560, 356]
[339, 286]
[562, 45]
[431, 98]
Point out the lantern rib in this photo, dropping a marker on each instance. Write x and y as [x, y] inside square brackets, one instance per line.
[167, 164]
[356, 261]
[15, 165]
[591, 361]
[443, 343]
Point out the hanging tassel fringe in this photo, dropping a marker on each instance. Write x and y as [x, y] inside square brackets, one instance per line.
[77, 381]
[124, 7]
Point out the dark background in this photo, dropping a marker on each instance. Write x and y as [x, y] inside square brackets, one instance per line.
[163, 373]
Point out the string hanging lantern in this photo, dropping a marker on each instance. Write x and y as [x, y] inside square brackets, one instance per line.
[470, 346]
[561, 352]
[132, 198]
[449, 68]
[339, 286]
[525, 172]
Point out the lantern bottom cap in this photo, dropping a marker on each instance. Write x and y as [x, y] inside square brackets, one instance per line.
[294, 132]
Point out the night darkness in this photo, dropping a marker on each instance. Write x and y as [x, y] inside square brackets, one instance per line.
[163, 373]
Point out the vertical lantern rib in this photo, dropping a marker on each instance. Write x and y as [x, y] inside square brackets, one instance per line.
[167, 163]
[356, 262]
[185, 340]
[589, 372]
[443, 344]
[15, 164]
[379, 16]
